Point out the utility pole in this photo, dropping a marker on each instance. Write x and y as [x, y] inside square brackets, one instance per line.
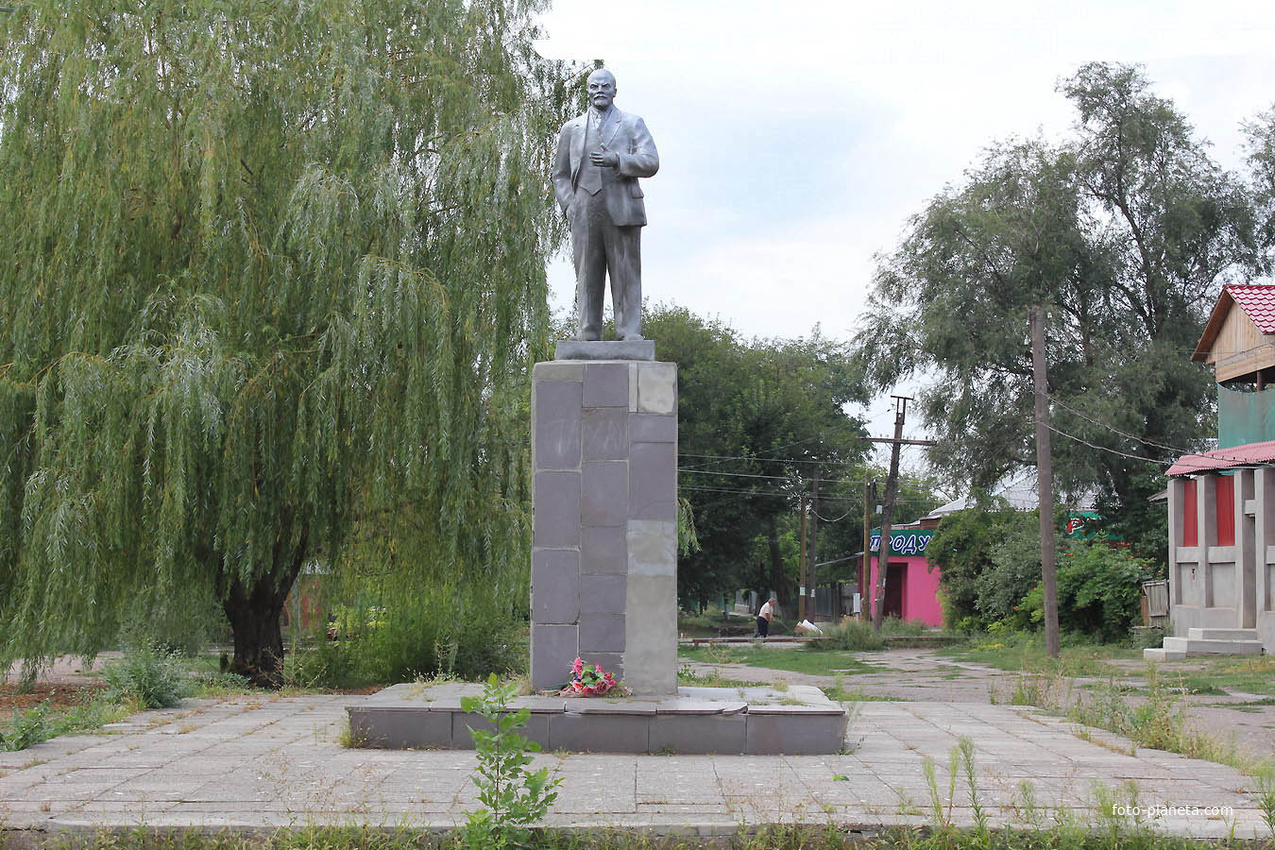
[891, 492]
[1044, 480]
[801, 566]
[864, 572]
[813, 554]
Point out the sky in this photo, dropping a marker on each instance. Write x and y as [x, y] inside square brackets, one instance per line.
[796, 138]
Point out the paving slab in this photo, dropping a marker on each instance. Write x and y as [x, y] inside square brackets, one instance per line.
[262, 763]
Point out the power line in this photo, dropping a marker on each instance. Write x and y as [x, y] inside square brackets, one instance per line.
[1111, 427]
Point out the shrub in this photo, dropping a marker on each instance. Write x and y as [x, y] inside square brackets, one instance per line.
[852, 636]
[148, 676]
[1098, 589]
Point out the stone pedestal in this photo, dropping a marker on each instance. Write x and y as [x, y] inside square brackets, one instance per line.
[604, 554]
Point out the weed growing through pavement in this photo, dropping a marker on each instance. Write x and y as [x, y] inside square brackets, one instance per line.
[41, 722]
[1266, 801]
[513, 797]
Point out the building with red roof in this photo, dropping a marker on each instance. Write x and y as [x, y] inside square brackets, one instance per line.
[1222, 502]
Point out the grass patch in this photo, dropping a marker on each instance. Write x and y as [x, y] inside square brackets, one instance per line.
[1252, 675]
[28, 727]
[814, 662]
[1021, 652]
[712, 679]
[1055, 836]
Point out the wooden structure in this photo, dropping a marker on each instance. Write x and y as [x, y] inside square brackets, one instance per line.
[1222, 503]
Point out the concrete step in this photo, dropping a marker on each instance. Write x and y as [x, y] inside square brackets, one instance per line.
[1222, 634]
[1192, 646]
[1160, 654]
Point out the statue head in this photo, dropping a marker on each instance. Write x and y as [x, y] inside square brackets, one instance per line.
[601, 88]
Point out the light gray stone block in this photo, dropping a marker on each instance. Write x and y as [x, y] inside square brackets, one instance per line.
[602, 594]
[650, 652]
[657, 388]
[604, 492]
[604, 349]
[555, 586]
[600, 733]
[606, 385]
[552, 370]
[652, 546]
[601, 633]
[556, 523]
[606, 433]
[689, 733]
[652, 428]
[604, 551]
[653, 481]
[553, 649]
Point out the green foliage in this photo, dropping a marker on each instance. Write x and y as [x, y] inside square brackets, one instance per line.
[1012, 572]
[42, 722]
[1098, 590]
[28, 727]
[1158, 719]
[1123, 231]
[851, 636]
[149, 677]
[274, 278]
[962, 548]
[467, 634]
[513, 797]
[756, 420]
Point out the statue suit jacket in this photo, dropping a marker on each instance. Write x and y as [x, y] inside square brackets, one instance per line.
[624, 134]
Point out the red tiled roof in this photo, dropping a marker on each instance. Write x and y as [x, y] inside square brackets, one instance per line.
[1257, 300]
[1251, 454]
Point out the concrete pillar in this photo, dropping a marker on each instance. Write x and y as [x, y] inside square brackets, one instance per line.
[603, 561]
[1176, 490]
[1245, 549]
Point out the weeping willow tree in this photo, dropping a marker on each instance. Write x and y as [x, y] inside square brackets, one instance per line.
[266, 267]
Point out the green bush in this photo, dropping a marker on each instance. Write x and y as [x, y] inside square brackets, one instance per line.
[969, 544]
[149, 676]
[851, 636]
[27, 727]
[1099, 586]
[468, 638]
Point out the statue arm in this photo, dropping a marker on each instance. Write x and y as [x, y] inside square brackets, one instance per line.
[641, 160]
[562, 169]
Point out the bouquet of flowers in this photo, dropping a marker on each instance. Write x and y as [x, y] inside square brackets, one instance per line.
[590, 680]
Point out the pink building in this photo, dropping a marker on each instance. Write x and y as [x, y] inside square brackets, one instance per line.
[911, 584]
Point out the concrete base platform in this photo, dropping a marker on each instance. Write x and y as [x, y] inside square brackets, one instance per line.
[762, 721]
[1200, 642]
[604, 349]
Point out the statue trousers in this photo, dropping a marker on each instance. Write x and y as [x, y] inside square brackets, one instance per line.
[602, 249]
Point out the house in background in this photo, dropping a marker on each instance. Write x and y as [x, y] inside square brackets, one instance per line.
[1222, 502]
[912, 582]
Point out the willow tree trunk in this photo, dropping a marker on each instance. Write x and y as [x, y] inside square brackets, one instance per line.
[255, 617]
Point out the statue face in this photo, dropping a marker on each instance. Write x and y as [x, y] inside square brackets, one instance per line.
[601, 89]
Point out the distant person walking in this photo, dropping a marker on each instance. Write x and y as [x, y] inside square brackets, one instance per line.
[765, 617]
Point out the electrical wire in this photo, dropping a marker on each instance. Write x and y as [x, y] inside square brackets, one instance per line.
[1110, 427]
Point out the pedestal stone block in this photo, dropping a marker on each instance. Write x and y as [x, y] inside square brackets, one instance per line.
[604, 452]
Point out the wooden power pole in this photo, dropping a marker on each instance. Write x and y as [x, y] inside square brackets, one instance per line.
[891, 492]
[865, 573]
[801, 566]
[1044, 480]
[812, 556]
